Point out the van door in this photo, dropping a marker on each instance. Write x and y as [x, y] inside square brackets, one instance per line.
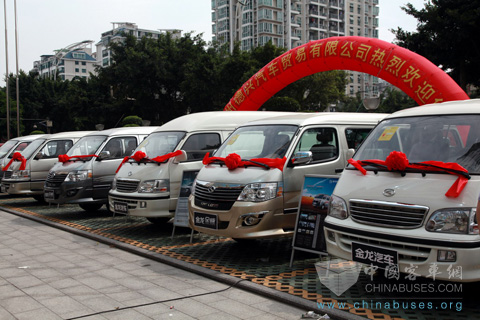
[196, 146]
[329, 145]
[43, 161]
[104, 168]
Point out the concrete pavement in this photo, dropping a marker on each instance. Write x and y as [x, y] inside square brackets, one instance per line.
[47, 273]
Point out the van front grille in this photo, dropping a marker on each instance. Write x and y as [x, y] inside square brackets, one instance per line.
[387, 214]
[127, 185]
[55, 179]
[216, 196]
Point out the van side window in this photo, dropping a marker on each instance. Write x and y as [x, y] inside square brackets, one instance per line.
[322, 142]
[197, 145]
[53, 149]
[120, 147]
[356, 136]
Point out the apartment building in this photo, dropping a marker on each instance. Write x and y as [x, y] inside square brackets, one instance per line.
[119, 29]
[78, 60]
[291, 23]
[72, 62]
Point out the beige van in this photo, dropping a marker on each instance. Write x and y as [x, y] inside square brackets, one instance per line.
[260, 198]
[151, 189]
[40, 156]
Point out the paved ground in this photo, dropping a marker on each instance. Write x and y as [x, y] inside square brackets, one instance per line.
[46, 273]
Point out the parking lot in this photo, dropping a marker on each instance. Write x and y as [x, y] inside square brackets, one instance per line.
[264, 263]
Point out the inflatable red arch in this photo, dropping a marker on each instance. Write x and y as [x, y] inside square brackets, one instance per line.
[418, 77]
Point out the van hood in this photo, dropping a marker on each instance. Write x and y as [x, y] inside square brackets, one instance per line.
[216, 173]
[412, 188]
[70, 166]
[143, 171]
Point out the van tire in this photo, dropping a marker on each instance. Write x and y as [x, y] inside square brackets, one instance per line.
[159, 220]
[90, 206]
[39, 198]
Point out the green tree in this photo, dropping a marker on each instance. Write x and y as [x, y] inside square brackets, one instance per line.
[317, 91]
[447, 35]
[282, 104]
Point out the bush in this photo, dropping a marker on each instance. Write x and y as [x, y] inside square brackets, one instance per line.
[37, 132]
[132, 121]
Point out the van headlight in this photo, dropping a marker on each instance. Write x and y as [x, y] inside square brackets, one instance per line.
[20, 174]
[258, 192]
[453, 220]
[80, 175]
[154, 186]
[337, 208]
[114, 184]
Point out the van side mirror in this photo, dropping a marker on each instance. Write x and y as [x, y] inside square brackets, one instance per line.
[180, 157]
[104, 155]
[38, 156]
[350, 153]
[302, 157]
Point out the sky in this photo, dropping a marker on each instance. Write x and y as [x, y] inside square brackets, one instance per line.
[48, 25]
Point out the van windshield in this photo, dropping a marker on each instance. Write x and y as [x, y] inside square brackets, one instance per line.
[30, 149]
[250, 142]
[160, 143]
[86, 146]
[5, 148]
[446, 138]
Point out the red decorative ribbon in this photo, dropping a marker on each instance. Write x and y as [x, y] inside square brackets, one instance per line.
[65, 158]
[397, 161]
[17, 156]
[233, 161]
[140, 155]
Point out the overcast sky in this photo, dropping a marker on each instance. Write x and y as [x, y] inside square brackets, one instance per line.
[47, 25]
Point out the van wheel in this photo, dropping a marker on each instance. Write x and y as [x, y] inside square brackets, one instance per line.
[159, 220]
[90, 206]
[39, 198]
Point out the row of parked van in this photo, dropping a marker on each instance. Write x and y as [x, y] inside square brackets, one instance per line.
[138, 170]
[417, 209]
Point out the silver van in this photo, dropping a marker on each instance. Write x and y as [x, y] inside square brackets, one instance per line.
[150, 189]
[11, 146]
[259, 198]
[85, 175]
[40, 156]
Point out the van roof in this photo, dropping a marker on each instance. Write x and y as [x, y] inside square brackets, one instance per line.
[123, 130]
[66, 134]
[28, 138]
[307, 118]
[216, 120]
[451, 107]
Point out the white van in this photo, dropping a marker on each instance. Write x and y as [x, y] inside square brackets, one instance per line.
[419, 216]
[86, 174]
[260, 200]
[13, 145]
[150, 189]
[40, 156]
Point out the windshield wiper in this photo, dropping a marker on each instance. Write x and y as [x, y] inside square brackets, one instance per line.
[266, 166]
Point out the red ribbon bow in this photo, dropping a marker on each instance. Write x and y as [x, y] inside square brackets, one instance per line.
[233, 161]
[398, 161]
[64, 158]
[140, 155]
[17, 156]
